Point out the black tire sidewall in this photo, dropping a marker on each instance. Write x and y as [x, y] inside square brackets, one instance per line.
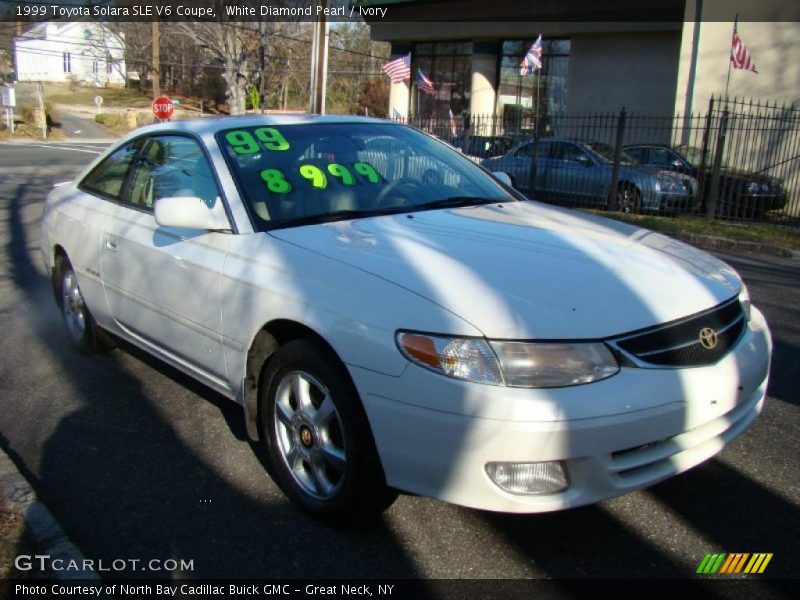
[88, 342]
[363, 475]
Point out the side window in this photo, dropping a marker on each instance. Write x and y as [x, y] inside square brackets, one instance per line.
[661, 157]
[560, 151]
[107, 178]
[572, 153]
[637, 153]
[170, 166]
[525, 151]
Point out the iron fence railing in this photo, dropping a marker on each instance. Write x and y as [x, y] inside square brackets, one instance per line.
[738, 160]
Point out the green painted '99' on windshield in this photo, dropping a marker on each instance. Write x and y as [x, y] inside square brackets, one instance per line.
[268, 138]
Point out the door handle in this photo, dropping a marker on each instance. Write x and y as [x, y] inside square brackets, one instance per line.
[111, 242]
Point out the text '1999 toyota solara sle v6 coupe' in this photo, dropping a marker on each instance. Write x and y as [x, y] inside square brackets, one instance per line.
[392, 316]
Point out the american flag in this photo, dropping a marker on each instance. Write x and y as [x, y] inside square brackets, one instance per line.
[399, 69]
[532, 61]
[453, 128]
[424, 84]
[740, 55]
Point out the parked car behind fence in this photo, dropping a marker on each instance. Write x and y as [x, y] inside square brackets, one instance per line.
[750, 147]
[581, 173]
[740, 193]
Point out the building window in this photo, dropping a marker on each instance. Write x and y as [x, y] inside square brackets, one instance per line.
[447, 65]
[67, 63]
[95, 67]
[522, 98]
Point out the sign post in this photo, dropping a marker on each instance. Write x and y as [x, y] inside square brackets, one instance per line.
[9, 102]
[98, 101]
[163, 108]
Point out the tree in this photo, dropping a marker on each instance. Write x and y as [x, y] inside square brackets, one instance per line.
[234, 46]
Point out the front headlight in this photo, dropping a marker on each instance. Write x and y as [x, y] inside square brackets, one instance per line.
[515, 364]
[554, 364]
[462, 358]
[670, 184]
[744, 300]
[755, 187]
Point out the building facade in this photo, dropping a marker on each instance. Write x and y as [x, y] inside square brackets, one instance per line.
[670, 57]
[75, 51]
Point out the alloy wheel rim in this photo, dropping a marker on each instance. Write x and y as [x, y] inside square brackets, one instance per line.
[310, 434]
[627, 201]
[73, 306]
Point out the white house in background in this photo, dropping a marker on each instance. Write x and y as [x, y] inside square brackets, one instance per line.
[86, 52]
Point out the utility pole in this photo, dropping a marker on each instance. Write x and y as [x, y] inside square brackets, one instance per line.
[319, 62]
[263, 30]
[156, 60]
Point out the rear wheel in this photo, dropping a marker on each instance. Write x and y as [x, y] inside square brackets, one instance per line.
[319, 440]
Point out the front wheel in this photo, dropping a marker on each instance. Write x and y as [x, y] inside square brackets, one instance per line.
[83, 332]
[320, 445]
[629, 199]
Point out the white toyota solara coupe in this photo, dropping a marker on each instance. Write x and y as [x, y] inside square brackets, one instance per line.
[391, 316]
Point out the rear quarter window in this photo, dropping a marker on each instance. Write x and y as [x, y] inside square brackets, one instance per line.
[106, 179]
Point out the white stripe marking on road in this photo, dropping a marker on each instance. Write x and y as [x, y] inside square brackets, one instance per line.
[59, 147]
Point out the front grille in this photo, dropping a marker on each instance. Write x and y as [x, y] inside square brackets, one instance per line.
[678, 344]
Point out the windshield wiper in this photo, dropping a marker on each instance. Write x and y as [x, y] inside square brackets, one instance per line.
[459, 201]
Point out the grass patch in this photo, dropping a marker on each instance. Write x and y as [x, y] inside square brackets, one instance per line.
[765, 233]
[112, 97]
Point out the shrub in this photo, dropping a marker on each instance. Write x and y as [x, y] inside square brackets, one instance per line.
[101, 119]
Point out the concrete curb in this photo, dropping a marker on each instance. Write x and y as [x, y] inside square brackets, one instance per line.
[46, 534]
[719, 243]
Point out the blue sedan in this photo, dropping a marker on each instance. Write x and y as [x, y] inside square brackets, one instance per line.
[579, 174]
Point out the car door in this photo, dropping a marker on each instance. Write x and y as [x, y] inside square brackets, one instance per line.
[575, 177]
[162, 283]
[82, 221]
[518, 165]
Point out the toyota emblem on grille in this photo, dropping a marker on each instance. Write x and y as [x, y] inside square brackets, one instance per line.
[708, 338]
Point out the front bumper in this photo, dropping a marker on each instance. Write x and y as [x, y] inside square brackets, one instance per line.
[435, 434]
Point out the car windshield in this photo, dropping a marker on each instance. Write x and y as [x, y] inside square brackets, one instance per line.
[311, 173]
[606, 153]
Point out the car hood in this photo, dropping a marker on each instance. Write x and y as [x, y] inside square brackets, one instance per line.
[524, 270]
[746, 176]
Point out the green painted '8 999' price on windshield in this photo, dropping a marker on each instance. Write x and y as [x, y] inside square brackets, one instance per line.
[244, 142]
[277, 183]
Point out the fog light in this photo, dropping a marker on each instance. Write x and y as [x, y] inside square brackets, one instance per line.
[526, 479]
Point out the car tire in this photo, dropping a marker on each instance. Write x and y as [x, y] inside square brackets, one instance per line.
[320, 444]
[629, 199]
[81, 327]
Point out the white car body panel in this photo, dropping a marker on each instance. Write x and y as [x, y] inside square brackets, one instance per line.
[164, 285]
[518, 271]
[529, 271]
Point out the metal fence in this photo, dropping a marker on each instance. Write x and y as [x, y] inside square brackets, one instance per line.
[739, 160]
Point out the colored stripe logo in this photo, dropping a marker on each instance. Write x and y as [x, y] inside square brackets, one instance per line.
[734, 563]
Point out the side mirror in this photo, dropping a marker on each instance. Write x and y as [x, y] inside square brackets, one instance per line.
[677, 165]
[582, 159]
[188, 212]
[503, 177]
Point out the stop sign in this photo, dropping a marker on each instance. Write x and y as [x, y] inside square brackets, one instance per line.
[163, 108]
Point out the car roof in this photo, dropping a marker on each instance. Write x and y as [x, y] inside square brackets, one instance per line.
[214, 124]
[649, 146]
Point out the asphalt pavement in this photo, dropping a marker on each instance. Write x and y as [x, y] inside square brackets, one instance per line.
[137, 461]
